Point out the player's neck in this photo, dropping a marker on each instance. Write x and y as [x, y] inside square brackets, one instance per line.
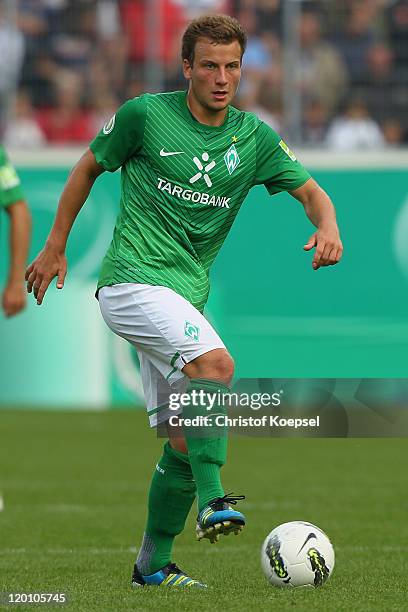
[204, 115]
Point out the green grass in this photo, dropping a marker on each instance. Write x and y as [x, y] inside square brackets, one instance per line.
[74, 488]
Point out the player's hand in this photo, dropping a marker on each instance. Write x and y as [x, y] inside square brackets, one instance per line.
[50, 262]
[14, 298]
[329, 248]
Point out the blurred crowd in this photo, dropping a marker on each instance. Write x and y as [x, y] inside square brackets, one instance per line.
[66, 65]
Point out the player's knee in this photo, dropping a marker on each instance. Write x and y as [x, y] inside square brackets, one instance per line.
[224, 368]
[214, 365]
[179, 444]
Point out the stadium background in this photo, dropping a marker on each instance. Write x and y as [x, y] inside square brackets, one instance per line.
[331, 76]
[277, 316]
[73, 483]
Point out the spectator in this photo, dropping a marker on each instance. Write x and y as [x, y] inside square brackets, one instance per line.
[107, 43]
[355, 38]
[170, 19]
[200, 7]
[382, 88]
[134, 88]
[322, 73]
[11, 58]
[257, 59]
[398, 33]
[39, 79]
[113, 46]
[67, 122]
[104, 107]
[269, 14]
[394, 132]
[315, 123]
[32, 22]
[22, 129]
[356, 129]
[73, 44]
[255, 102]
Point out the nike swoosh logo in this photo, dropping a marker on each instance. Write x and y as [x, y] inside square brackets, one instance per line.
[164, 153]
[309, 537]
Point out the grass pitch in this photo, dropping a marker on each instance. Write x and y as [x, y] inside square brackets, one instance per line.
[74, 488]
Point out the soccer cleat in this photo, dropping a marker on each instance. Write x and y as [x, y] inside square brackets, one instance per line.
[169, 575]
[219, 518]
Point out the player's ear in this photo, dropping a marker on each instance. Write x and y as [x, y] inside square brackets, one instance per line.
[187, 67]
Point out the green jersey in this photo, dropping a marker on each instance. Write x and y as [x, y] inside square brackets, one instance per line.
[10, 188]
[182, 185]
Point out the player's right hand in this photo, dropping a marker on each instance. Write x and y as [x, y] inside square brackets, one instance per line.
[50, 262]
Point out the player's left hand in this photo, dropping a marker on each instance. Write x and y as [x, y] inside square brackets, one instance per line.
[329, 248]
[14, 298]
[49, 263]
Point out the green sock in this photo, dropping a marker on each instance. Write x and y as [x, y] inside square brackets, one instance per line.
[171, 495]
[207, 446]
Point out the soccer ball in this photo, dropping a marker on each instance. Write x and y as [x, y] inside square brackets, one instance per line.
[297, 554]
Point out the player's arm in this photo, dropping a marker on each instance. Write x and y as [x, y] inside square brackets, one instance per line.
[279, 170]
[14, 297]
[51, 261]
[120, 139]
[320, 210]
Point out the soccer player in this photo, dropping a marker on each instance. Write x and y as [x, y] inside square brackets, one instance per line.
[13, 201]
[188, 160]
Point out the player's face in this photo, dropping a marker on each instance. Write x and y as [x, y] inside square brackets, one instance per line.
[214, 76]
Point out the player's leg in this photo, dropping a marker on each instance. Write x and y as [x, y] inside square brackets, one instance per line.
[180, 342]
[171, 495]
[172, 489]
[210, 375]
[215, 516]
[215, 365]
[172, 334]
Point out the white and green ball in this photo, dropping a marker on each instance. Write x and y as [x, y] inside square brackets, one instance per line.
[297, 554]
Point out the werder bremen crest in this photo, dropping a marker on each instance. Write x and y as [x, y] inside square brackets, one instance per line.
[192, 331]
[231, 159]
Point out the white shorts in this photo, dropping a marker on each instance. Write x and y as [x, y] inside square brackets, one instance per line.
[167, 331]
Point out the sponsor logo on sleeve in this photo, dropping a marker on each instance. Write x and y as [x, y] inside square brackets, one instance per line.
[108, 127]
[8, 177]
[288, 152]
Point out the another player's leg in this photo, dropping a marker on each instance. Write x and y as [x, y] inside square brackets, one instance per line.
[210, 374]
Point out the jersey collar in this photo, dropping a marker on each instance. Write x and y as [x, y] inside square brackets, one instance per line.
[193, 121]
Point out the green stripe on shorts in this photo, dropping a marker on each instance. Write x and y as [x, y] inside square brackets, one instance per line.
[172, 362]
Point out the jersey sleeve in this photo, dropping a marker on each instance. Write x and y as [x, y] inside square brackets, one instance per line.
[276, 166]
[122, 136]
[10, 186]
